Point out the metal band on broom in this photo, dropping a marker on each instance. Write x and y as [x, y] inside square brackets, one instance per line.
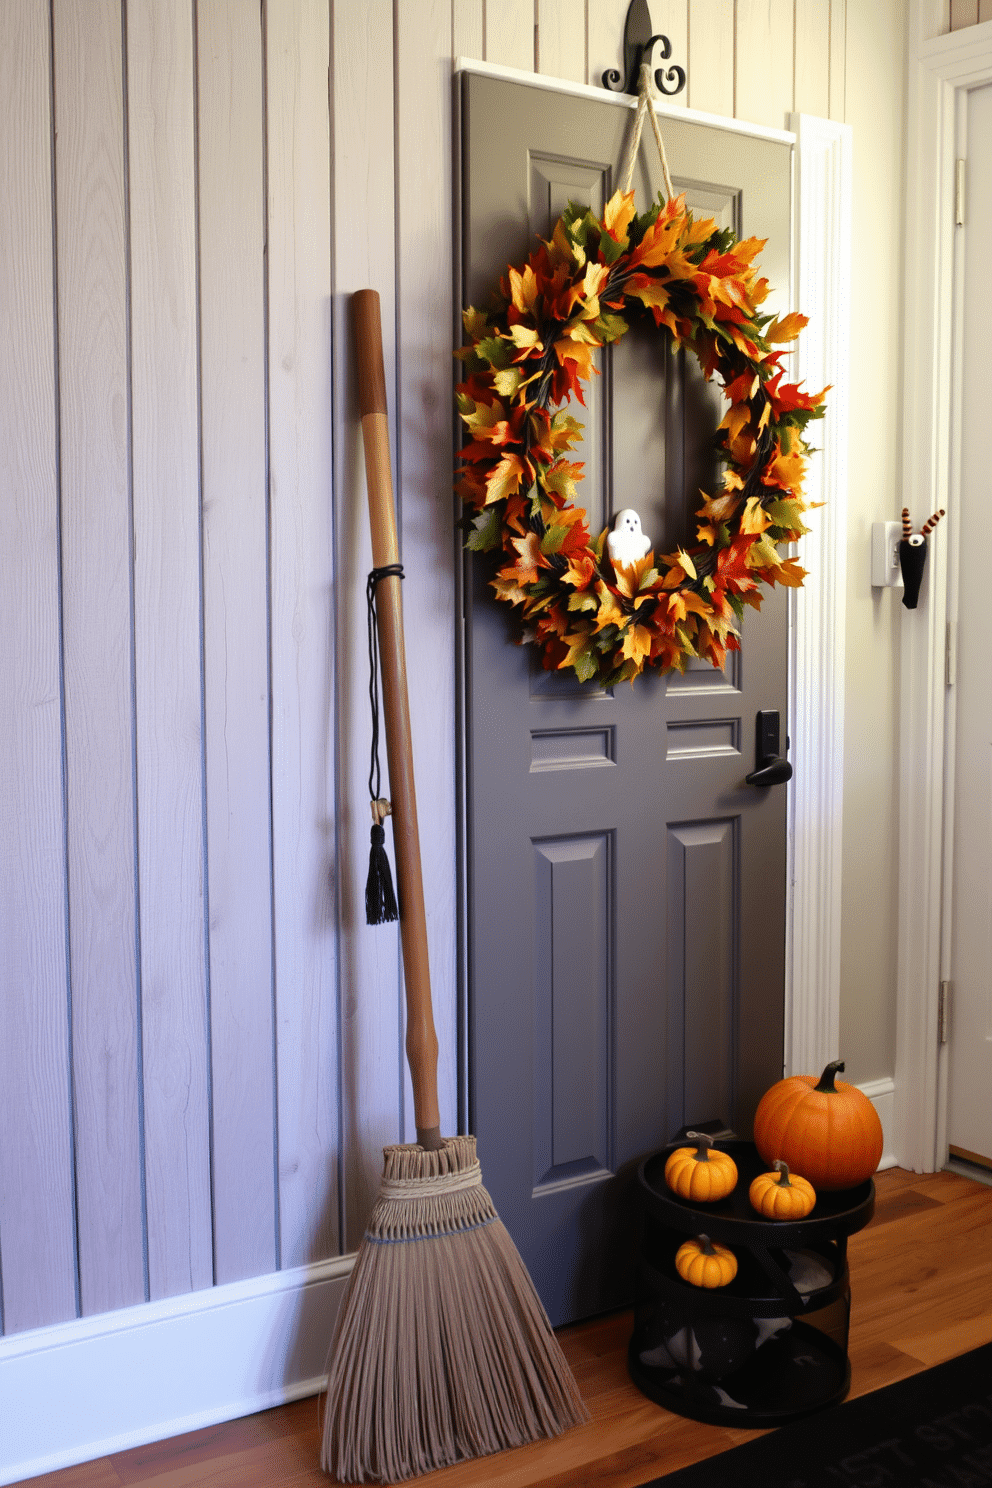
[442, 1349]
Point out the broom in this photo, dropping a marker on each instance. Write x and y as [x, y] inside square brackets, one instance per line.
[442, 1349]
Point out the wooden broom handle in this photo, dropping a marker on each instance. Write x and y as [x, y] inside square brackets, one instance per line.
[421, 1038]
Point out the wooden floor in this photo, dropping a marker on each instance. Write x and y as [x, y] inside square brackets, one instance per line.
[921, 1280]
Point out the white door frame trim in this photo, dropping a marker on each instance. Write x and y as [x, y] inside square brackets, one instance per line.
[822, 264]
[940, 66]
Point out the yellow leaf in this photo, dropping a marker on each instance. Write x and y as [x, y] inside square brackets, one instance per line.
[636, 644]
[475, 323]
[505, 479]
[734, 420]
[786, 329]
[508, 381]
[523, 287]
[610, 612]
[619, 214]
[525, 337]
[754, 519]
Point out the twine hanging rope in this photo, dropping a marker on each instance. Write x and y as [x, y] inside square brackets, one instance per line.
[645, 107]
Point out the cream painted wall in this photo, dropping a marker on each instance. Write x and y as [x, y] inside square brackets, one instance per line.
[875, 100]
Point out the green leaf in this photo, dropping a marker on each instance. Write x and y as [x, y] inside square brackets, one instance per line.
[553, 539]
[496, 351]
[487, 530]
[586, 665]
[609, 249]
[609, 327]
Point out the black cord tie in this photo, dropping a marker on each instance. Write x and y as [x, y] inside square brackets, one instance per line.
[380, 900]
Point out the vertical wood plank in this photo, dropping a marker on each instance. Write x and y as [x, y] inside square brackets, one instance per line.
[509, 33]
[812, 76]
[425, 461]
[97, 596]
[604, 21]
[763, 79]
[37, 1222]
[301, 525]
[710, 84]
[561, 39]
[370, 990]
[984, 11]
[671, 18]
[838, 60]
[963, 13]
[467, 30]
[235, 632]
[166, 494]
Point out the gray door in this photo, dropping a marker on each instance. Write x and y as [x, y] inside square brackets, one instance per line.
[625, 887]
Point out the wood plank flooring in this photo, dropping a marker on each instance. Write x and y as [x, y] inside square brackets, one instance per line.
[921, 1281]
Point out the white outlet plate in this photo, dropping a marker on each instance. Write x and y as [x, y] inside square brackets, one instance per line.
[885, 570]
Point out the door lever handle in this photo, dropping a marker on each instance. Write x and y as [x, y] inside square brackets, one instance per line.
[770, 767]
[772, 771]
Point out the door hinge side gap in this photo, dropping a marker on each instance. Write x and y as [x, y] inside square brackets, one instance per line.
[944, 1012]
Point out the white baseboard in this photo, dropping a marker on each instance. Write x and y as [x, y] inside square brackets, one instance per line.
[882, 1095]
[82, 1390]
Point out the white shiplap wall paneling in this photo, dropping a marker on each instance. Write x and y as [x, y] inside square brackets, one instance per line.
[37, 1224]
[764, 61]
[467, 30]
[710, 67]
[97, 635]
[166, 496]
[235, 632]
[838, 60]
[425, 498]
[671, 18]
[364, 257]
[604, 23]
[812, 80]
[561, 39]
[509, 32]
[301, 523]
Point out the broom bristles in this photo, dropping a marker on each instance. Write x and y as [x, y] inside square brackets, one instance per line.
[443, 1350]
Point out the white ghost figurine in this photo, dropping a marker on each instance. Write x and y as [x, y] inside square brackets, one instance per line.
[627, 543]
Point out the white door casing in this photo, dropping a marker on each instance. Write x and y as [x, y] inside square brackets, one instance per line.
[941, 67]
[969, 1049]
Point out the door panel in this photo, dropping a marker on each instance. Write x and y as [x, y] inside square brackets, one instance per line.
[626, 888]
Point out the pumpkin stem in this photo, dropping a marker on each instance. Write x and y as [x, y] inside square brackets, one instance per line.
[705, 1245]
[783, 1170]
[703, 1145]
[826, 1081]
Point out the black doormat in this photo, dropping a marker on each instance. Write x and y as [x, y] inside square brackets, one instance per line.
[933, 1430]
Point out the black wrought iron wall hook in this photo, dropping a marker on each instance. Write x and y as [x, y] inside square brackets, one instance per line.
[638, 46]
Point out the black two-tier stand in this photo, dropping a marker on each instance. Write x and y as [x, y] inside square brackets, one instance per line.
[771, 1346]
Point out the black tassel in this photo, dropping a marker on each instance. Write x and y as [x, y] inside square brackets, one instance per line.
[380, 901]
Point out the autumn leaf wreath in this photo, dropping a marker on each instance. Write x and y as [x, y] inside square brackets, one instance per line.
[534, 349]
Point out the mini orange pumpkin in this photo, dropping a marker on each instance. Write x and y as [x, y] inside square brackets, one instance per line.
[781, 1195]
[700, 1173]
[827, 1130]
[704, 1263]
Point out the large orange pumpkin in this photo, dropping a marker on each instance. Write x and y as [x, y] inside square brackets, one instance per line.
[826, 1129]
